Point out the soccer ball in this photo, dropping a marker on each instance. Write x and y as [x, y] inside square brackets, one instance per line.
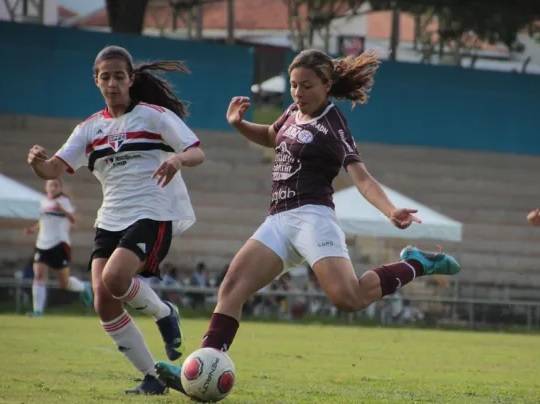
[208, 375]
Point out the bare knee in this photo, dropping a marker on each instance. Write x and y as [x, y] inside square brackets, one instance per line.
[63, 282]
[116, 281]
[229, 288]
[40, 272]
[107, 307]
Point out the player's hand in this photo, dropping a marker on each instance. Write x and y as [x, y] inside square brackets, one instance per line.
[28, 231]
[60, 207]
[403, 217]
[237, 107]
[534, 217]
[166, 171]
[36, 155]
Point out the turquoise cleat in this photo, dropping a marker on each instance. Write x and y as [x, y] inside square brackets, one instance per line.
[170, 375]
[35, 314]
[87, 295]
[433, 263]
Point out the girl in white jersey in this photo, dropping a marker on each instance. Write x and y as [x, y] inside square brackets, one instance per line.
[135, 147]
[312, 142]
[53, 250]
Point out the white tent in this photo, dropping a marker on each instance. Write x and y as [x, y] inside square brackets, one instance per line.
[358, 217]
[18, 200]
[276, 84]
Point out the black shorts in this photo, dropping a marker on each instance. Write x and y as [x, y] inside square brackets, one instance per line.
[149, 239]
[57, 257]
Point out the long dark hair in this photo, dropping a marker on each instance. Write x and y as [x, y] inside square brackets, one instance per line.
[352, 76]
[148, 87]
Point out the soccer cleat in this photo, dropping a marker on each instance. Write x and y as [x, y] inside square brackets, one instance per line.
[150, 386]
[87, 295]
[171, 332]
[35, 314]
[433, 263]
[170, 375]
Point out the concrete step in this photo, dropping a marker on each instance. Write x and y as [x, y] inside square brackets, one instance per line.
[436, 156]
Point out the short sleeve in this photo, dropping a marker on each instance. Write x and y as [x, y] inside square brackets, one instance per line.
[73, 152]
[343, 143]
[277, 125]
[176, 133]
[66, 204]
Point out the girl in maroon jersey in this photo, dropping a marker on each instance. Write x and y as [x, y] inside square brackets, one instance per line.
[312, 142]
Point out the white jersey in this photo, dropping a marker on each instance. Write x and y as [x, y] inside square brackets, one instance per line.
[53, 224]
[123, 153]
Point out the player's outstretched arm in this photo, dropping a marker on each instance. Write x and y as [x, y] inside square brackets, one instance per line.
[45, 167]
[370, 189]
[263, 135]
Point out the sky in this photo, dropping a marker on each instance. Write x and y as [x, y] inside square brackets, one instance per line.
[82, 6]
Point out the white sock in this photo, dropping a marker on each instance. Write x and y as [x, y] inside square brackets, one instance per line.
[129, 340]
[39, 295]
[75, 284]
[142, 298]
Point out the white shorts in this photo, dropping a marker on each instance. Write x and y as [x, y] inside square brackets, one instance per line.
[308, 233]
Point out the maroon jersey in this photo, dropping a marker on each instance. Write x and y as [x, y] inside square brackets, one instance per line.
[309, 156]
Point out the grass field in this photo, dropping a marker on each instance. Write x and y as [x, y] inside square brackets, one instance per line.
[69, 359]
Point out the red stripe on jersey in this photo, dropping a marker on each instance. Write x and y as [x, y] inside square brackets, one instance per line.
[196, 144]
[156, 107]
[129, 135]
[69, 169]
[102, 112]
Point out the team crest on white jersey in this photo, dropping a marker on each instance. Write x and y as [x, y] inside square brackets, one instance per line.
[116, 141]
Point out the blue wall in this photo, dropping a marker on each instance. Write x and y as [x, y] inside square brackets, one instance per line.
[48, 71]
[450, 107]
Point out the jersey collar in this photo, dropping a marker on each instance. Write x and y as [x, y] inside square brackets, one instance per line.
[130, 108]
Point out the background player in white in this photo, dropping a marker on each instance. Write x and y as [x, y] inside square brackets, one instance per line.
[312, 142]
[53, 250]
[135, 147]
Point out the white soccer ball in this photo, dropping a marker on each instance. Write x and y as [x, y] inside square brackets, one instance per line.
[208, 375]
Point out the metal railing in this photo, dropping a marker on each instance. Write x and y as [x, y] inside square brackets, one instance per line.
[470, 313]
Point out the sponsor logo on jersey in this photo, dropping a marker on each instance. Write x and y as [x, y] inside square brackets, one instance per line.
[292, 131]
[285, 165]
[344, 140]
[320, 127]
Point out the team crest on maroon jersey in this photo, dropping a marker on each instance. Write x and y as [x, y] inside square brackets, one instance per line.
[116, 141]
[304, 136]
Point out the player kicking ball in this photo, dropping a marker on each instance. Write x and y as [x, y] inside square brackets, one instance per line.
[312, 143]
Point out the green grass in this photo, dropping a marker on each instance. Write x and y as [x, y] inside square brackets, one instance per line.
[266, 115]
[69, 359]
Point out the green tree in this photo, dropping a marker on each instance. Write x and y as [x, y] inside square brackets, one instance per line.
[465, 25]
[308, 18]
